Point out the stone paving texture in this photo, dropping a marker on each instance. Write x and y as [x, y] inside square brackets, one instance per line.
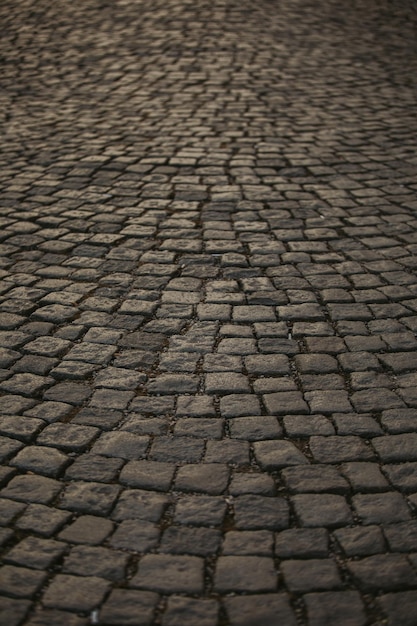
[208, 313]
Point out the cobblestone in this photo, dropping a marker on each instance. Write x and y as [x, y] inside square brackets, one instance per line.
[208, 313]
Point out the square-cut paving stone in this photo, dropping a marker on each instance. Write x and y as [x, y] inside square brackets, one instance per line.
[227, 451]
[111, 398]
[402, 476]
[331, 401]
[35, 364]
[9, 510]
[26, 384]
[182, 611]
[20, 582]
[20, 427]
[69, 392]
[87, 529]
[285, 402]
[219, 383]
[200, 510]
[396, 448]
[50, 411]
[103, 418]
[48, 346]
[364, 477]
[42, 520]
[129, 607]
[88, 497]
[303, 426]
[167, 384]
[122, 445]
[41, 460]
[266, 609]
[362, 425]
[31, 488]
[13, 611]
[304, 543]
[376, 400]
[55, 313]
[170, 449]
[11, 404]
[322, 510]
[239, 405]
[96, 561]
[222, 363]
[264, 364]
[136, 536]
[195, 406]
[254, 313]
[255, 428]
[210, 478]
[98, 353]
[381, 508]
[400, 608]
[387, 572]
[335, 449]
[179, 362]
[315, 363]
[250, 482]
[254, 512]
[344, 608]
[67, 437]
[74, 593]
[303, 575]
[197, 541]
[153, 405]
[361, 540]
[314, 479]
[35, 553]
[237, 346]
[139, 425]
[95, 468]
[119, 378]
[245, 573]
[170, 574]
[276, 454]
[140, 504]
[151, 475]
[204, 427]
[248, 542]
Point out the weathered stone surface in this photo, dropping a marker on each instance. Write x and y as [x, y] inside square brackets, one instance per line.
[208, 313]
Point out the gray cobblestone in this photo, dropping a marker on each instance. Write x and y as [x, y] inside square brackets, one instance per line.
[169, 574]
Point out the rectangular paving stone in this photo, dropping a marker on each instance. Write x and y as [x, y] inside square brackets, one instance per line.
[306, 575]
[346, 607]
[265, 608]
[73, 593]
[35, 553]
[20, 582]
[315, 510]
[304, 543]
[396, 448]
[285, 402]
[123, 445]
[361, 540]
[170, 574]
[32, 488]
[337, 449]
[129, 607]
[67, 437]
[387, 572]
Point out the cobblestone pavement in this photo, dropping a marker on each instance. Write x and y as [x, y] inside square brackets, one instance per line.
[208, 396]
